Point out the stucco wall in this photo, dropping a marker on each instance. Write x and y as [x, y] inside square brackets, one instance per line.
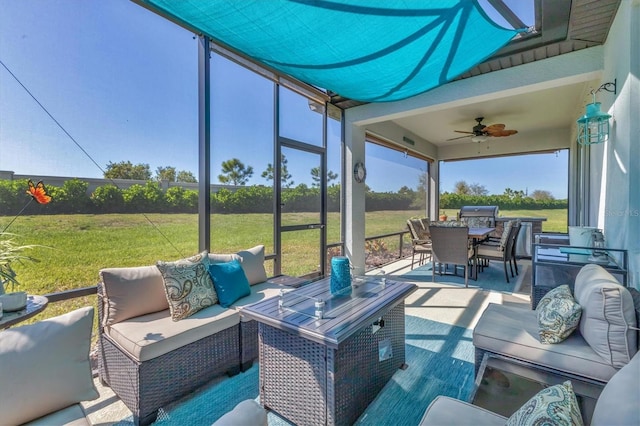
[615, 180]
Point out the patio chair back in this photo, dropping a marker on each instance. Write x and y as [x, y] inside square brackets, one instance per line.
[450, 245]
[505, 254]
[417, 229]
[420, 240]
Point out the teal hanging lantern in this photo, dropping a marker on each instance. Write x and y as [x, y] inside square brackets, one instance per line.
[593, 126]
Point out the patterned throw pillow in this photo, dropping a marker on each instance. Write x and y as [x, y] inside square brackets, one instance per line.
[188, 285]
[449, 224]
[556, 405]
[558, 315]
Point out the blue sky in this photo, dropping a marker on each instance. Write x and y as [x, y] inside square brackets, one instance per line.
[123, 82]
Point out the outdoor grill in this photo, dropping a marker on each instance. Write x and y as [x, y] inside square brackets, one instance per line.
[490, 212]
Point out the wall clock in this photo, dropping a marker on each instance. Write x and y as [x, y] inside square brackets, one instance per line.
[359, 172]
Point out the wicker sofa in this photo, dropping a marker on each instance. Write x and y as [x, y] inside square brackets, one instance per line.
[604, 342]
[148, 359]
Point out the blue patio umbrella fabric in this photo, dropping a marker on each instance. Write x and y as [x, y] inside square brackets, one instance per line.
[366, 50]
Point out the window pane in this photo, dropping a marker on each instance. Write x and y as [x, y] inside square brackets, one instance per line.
[127, 95]
[300, 118]
[241, 157]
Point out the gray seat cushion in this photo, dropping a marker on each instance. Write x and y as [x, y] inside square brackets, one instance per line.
[448, 411]
[513, 331]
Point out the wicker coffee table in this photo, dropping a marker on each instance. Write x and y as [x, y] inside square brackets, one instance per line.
[323, 365]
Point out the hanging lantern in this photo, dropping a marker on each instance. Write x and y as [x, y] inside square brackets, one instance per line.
[593, 126]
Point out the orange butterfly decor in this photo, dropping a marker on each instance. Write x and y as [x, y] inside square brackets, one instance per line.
[39, 192]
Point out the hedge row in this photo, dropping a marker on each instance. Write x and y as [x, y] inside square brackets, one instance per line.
[150, 198]
[505, 202]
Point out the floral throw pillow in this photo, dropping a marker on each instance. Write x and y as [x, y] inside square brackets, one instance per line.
[558, 315]
[188, 285]
[556, 405]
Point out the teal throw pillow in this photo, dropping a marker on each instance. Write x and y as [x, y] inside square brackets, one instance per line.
[230, 282]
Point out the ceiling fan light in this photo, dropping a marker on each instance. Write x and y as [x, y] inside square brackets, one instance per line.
[481, 138]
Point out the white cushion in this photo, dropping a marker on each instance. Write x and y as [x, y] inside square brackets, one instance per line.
[448, 411]
[608, 315]
[618, 402]
[45, 367]
[131, 292]
[149, 336]
[246, 413]
[70, 416]
[253, 264]
[252, 261]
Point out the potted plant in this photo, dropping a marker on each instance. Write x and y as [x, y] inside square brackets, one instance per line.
[443, 216]
[11, 252]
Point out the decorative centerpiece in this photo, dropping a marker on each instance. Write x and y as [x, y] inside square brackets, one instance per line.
[340, 275]
[11, 252]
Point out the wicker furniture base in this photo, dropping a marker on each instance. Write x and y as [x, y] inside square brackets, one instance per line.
[312, 384]
[248, 344]
[144, 387]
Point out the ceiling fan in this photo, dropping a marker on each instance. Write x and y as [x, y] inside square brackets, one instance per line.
[480, 130]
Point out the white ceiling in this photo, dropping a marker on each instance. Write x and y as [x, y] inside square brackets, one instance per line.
[548, 109]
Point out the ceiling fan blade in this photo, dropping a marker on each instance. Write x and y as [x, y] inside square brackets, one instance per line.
[503, 133]
[462, 131]
[495, 126]
[461, 137]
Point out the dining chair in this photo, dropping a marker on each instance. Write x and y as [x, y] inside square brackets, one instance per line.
[450, 245]
[420, 241]
[504, 251]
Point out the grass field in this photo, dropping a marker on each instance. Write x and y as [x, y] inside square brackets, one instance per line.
[78, 246]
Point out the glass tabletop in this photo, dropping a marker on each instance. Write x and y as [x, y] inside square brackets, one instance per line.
[321, 305]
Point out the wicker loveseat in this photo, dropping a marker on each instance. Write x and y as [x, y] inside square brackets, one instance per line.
[148, 359]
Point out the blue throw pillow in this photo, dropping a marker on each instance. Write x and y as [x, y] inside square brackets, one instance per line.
[230, 282]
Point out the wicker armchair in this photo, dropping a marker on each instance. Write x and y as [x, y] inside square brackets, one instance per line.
[420, 240]
[450, 245]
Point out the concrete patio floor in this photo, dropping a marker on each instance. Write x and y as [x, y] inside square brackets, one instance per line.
[441, 302]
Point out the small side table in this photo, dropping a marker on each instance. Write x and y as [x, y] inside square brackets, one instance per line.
[35, 305]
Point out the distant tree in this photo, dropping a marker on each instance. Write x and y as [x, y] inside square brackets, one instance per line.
[315, 175]
[461, 187]
[512, 194]
[542, 195]
[285, 176]
[126, 170]
[185, 176]
[477, 189]
[234, 172]
[166, 173]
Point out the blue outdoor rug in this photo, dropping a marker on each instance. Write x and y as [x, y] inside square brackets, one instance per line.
[440, 359]
[491, 278]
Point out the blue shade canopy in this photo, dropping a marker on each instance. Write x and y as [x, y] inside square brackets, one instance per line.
[367, 50]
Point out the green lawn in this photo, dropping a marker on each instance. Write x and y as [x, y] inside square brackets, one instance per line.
[80, 245]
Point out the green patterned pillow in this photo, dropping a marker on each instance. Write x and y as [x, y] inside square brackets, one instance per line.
[556, 405]
[505, 233]
[558, 315]
[188, 285]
